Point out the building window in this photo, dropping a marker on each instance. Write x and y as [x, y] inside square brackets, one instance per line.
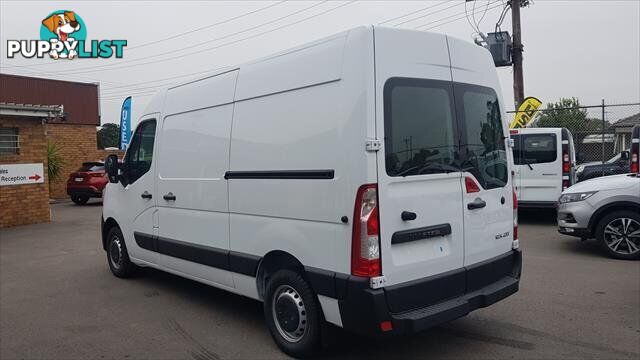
[9, 141]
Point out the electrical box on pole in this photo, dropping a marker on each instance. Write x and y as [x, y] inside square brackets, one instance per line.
[499, 45]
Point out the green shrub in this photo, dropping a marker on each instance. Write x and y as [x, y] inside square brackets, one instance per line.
[54, 160]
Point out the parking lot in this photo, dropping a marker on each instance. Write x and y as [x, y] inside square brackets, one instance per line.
[59, 300]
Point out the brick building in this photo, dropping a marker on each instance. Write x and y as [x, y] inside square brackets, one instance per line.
[23, 141]
[73, 131]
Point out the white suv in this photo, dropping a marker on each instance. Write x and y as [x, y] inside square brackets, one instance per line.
[607, 208]
[362, 180]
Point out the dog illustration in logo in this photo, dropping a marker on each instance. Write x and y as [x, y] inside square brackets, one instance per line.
[62, 25]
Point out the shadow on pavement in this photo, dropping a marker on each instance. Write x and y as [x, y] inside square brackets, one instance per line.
[537, 216]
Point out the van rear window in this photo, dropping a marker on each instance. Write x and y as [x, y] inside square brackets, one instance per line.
[484, 144]
[534, 148]
[419, 127]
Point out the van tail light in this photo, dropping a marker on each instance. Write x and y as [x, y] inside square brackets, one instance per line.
[566, 165]
[365, 244]
[515, 243]
[96, 174]
[635, 154]
[471, 185]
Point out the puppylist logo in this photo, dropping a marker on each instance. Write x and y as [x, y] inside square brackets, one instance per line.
[63, 35]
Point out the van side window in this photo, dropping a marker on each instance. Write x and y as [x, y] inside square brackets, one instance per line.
[534, 148]
[419, 127]
[484, 151]
[140, 153]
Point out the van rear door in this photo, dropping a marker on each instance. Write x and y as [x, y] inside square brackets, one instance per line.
[540, 163]
[488, 196]
[417, 173]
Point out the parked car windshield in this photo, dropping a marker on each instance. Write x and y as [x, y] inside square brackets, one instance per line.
[91, 166]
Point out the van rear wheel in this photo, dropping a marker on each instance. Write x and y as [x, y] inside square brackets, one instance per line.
[117, 255]
[293, 314]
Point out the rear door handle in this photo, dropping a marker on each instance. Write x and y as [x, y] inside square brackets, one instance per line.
[169, 197]
[408, 215]
[146, 195]
[476, 204]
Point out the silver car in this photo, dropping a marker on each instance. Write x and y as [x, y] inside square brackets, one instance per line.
[607, 209]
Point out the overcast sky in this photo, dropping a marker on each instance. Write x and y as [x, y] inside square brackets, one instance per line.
[584, 49]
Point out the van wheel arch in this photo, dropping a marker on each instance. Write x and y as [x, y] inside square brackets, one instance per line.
[107, 225]
[271, 263]
[607, 209]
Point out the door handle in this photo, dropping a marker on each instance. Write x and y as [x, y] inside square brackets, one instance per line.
[146, 195]
[476, 204]
[169, 197]
[408, 215]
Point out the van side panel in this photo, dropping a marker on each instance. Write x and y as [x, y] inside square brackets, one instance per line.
[313, 64]
[296, 155]
[211, 91]
[193, 158]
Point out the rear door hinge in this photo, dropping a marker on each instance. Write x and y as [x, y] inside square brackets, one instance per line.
[372, 144]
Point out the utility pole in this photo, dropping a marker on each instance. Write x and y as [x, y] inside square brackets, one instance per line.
[518, 82]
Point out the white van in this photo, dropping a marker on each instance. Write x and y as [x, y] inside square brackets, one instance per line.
[362, 180]
[545, 165]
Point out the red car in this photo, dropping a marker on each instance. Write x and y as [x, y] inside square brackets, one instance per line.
[87, 182]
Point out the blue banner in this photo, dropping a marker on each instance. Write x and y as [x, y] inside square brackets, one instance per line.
[125, 123]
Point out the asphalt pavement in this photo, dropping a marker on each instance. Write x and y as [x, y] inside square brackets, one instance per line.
[58, 300]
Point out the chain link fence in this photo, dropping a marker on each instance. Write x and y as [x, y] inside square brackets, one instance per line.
[600, 132]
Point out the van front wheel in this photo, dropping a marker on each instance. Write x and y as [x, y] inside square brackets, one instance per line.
[117, 255]
[293, 314]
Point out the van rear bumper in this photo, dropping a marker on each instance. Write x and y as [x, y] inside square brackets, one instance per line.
[363, 309]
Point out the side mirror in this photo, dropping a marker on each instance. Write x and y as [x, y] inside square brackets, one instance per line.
[111, 168]
[624, 156]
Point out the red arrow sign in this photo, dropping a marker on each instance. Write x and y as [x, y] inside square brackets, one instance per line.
[35, 177]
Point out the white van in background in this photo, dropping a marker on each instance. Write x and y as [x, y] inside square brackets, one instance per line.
[362, 180]
[545, 162]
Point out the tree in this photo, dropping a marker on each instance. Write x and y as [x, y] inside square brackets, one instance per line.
[567, 113]
[109, 136]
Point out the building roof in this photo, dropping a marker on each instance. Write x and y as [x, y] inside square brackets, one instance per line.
[80, 100]
[630, 121]
[32, 110]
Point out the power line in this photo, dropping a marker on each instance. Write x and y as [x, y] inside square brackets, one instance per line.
[425, 15]
[450, 21]
[206, 71]
[464, 15]
[173, 51]
[414, 12]
[207, 26]
[181, 56]
[173, 36]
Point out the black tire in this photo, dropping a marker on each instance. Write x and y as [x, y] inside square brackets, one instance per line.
[309, 314]
[625, 250]
[79, 199]
[117, 255]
